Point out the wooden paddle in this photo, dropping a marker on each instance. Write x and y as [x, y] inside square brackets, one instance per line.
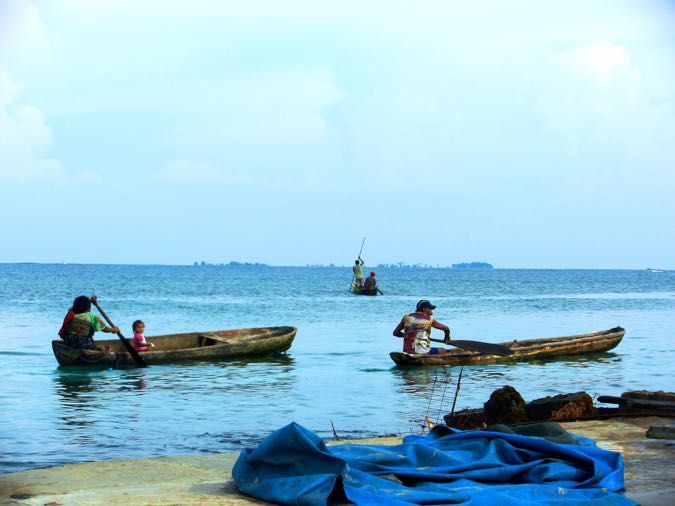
[130, 349]
[485, 348]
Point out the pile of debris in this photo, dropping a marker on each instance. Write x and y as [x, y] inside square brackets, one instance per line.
[506, 406]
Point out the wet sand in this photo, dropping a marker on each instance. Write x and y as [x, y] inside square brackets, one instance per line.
[188, 480]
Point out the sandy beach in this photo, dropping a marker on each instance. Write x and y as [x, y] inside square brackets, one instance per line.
[207, 479]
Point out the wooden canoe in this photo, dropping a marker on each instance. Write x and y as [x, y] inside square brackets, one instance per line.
[170, 348]
[359, 290]
[593, 342]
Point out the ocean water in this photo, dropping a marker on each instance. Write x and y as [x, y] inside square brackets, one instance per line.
[338, 372]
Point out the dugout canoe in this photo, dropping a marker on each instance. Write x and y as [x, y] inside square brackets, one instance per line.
[553, 347]
[359, 290]
[195, 346]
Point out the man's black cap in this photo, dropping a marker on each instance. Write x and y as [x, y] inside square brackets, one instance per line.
[423, 304]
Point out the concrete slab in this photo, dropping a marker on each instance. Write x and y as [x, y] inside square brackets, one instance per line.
[206, 480]
[649, 464]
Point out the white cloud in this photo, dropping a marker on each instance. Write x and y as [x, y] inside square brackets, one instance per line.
[598, 107]
[25, 141]
[32, 128]
[601, 61]
[87, 177]
[22, 32]
[188, 171]
[590, 91]
[282, 91]
[24, 138]
[197, 172]
[9, 90]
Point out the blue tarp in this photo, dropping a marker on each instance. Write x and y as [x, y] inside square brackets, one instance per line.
[294, 466]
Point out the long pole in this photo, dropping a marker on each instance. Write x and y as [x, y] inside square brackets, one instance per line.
[459, 382]
[359, 257]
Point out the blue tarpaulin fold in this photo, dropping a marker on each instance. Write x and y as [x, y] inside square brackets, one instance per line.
[294, 466]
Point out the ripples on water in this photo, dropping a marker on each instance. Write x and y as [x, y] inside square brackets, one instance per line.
[338, 369]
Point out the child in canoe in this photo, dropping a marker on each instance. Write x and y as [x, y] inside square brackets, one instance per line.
[139, 342]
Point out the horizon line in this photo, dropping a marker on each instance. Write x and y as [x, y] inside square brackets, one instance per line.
[333, 266]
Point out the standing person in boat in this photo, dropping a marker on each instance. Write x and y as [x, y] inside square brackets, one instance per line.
[415, 329]
[80, 324]
[358, 272]
[370, 284]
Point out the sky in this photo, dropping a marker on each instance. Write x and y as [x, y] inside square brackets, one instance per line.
[526, 134]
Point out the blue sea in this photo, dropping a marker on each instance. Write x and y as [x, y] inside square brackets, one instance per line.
[338, 372]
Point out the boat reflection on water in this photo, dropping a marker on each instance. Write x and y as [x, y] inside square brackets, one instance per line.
[591, 358]
[82, 393]
[416, 380]
[430, 390]
[78, 399]
[419, 380]
[133, 379]
[274, 358]
[603, 357]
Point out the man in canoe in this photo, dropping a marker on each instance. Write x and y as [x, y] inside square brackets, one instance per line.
[358, 272]
[415, 329]
[370, 284]
[80, 324]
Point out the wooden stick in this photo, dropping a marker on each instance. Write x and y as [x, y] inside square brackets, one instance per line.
[459, 382]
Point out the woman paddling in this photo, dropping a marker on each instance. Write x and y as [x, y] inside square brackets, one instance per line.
[80, 324]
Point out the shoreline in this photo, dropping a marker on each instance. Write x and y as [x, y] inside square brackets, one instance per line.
[207, 479]
[387, 266]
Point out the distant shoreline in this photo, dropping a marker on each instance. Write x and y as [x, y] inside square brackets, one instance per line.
[332, 266]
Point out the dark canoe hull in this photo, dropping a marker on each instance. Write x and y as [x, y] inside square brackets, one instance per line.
[362, 291]
[594, 342]
[171, 348]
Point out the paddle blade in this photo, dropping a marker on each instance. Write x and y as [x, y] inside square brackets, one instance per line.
[485, 348]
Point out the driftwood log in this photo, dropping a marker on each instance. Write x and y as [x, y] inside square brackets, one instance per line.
[560, 407]
[661, 432]
[506, 406]
[630, 405]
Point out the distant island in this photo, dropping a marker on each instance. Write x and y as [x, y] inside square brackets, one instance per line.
[402, 265]
[472, 266]
[247, 265]
[399, 265]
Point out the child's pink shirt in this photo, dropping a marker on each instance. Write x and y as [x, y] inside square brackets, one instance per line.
[140, 344]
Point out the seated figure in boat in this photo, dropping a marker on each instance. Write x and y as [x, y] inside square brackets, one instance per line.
[358, 273]
[370, 284]
[80, 324]
[415, 329]
[139, 342]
